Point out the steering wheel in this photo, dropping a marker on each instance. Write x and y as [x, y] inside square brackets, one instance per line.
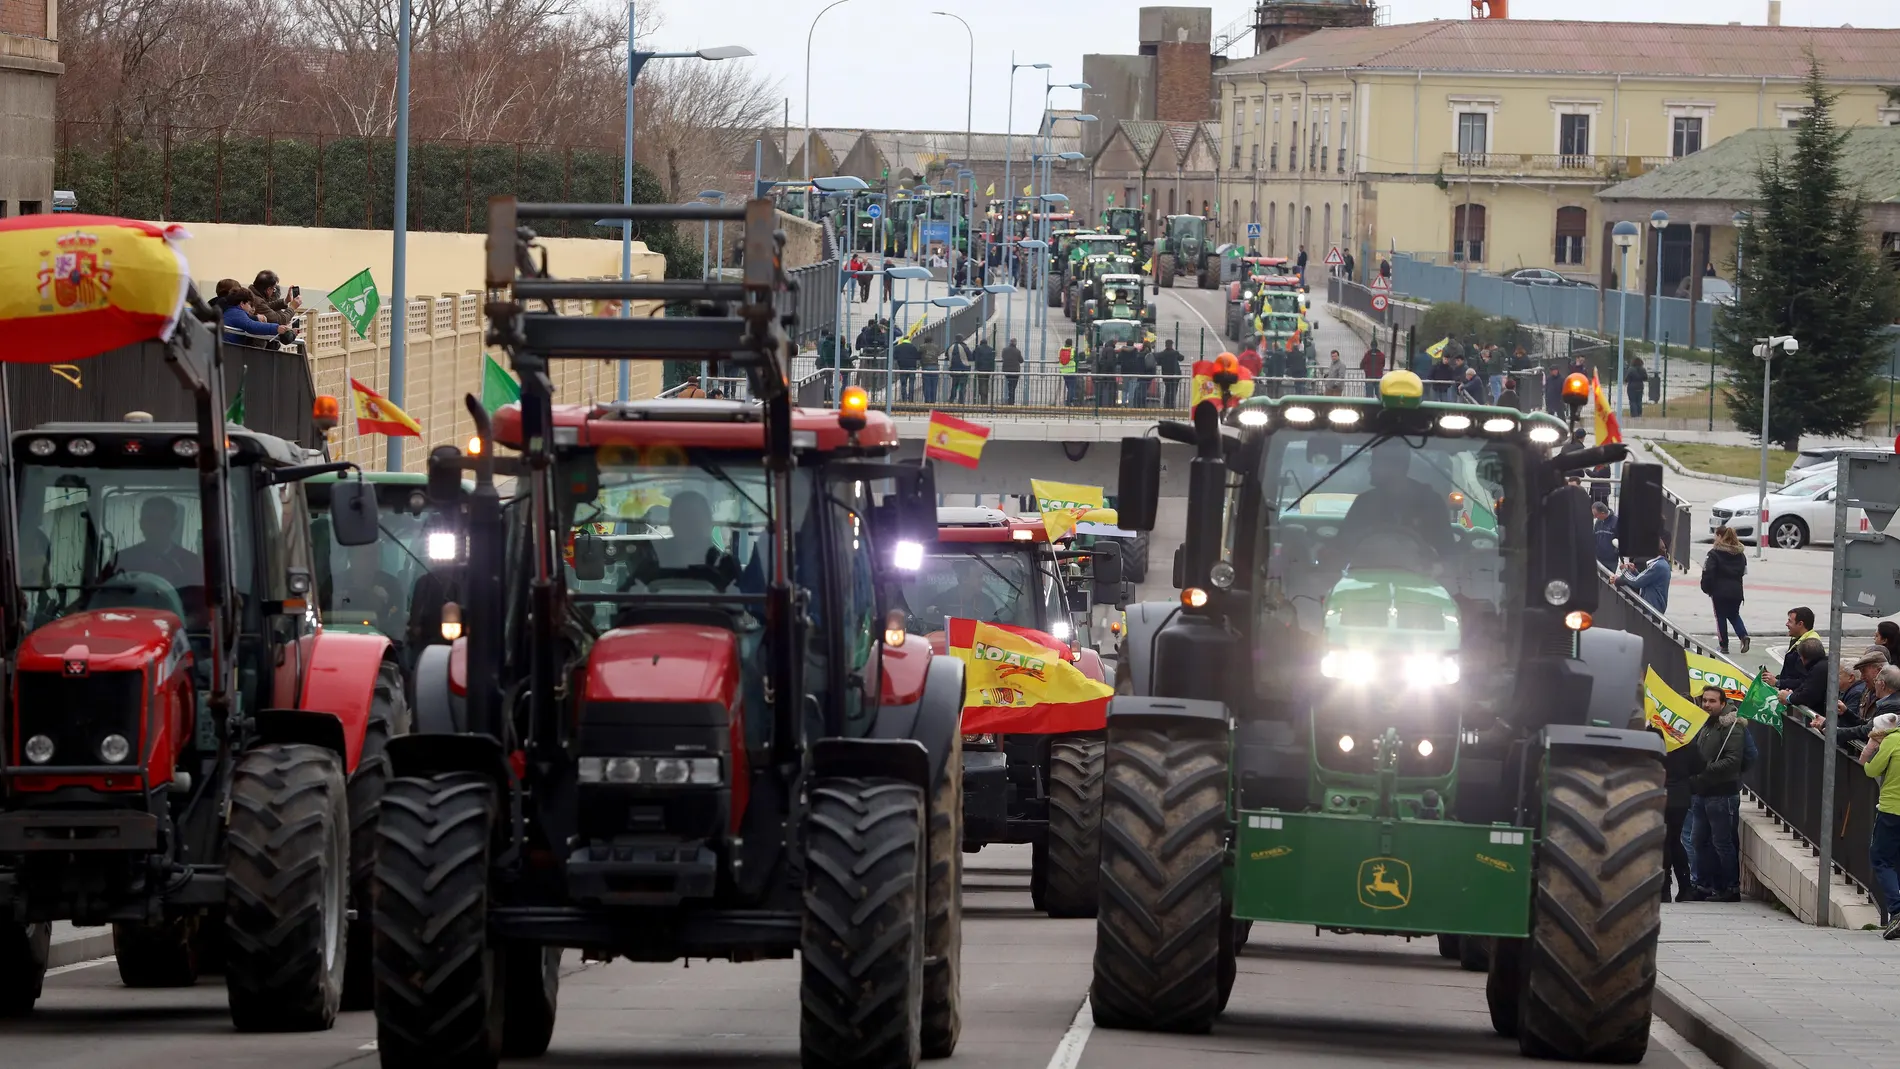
[136, 590]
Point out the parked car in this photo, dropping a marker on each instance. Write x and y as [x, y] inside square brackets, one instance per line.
[1718, 291]
[1808, 460]
[1540, 276]
[1799, 514]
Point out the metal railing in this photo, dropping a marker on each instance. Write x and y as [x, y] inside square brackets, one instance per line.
[1050, 395]
[1556, 164]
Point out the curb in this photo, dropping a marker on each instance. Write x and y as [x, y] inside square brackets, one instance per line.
[90, 946]
[1712, 1032]
[1675, 465]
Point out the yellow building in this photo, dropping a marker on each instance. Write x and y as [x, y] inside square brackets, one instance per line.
[1377, 138]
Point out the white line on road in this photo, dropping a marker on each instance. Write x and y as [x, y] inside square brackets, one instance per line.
[78, 965]
[1069, 1052]
[1197, 312]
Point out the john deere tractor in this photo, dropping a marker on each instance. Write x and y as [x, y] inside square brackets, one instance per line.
[1469, 757]
[1186, 246]
[1117, 296]
[1129, 223]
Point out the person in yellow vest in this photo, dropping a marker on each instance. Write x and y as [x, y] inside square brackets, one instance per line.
[1065, 363]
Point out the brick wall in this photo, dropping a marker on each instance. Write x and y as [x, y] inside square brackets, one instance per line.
[1184, 77]
[23, 18]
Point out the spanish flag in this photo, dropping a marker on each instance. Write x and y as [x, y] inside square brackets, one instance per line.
[375, 415]
[1064, 504]
[953, 440]
[1206, 389]
[1022, 681]
[81, 285]
[1607, 429]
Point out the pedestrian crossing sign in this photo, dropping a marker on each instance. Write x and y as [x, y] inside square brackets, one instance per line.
[1253, 230]
[1333, 258]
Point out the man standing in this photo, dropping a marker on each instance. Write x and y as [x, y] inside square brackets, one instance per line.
[1168, 362]
[1065, 366]
[1604, 531]
[1372, 366]
[984, 359]
[960, 371]
[1715, 810]
[1348, 266]
[828, 361]
[1012, 371]
[907, 357]
[1300, 262]
[1800, 625]
[1493, 361]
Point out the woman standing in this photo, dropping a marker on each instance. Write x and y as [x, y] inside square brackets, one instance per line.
[1887, 637]
[1722, 573]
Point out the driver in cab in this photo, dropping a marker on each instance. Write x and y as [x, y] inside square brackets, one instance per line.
[160, 555]
[1395, 505]
[968, 599]
[690, 553]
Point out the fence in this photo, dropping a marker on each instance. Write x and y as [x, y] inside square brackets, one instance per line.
[1574, 307]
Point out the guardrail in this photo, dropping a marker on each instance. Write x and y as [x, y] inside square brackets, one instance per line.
[1050, 395]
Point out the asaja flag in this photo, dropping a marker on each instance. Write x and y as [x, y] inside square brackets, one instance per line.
[375, 415]
[1607, 430]
[498, 387]
[1761, 704]
[1020, 680]
[1675, 716]
[81, 285]
[955, 441]
[1064, 504]
[1436, 350]
[1206, 389]
[235, 413]
[358, 300]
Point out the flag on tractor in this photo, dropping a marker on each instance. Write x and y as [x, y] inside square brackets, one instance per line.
[911, 334]
[1064, 504]
[990, 192]
[81, 285]
[1020, 680]
[498, 387]
[1606, 428]
[1206, 389]
[358, 300]
[375, 415]
[1675, 716]
[1761, 704]
[1436, 350]
[954, 441]
[1027, 188]
[235, 413]
[1149, 267]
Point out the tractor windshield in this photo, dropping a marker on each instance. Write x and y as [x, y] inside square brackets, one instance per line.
[1114, 330]
[998, 584]
[119, 537]
[1281, 300]
[379, 586]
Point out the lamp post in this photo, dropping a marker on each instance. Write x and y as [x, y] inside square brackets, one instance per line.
[907, 273]
[1047, 230]
[399, 270]
[1009, 183]
[1659, 222]
[969, 90]
[813, 29]
[1035, 246]
[716, 196]
[1624, 234]
[1765, 350]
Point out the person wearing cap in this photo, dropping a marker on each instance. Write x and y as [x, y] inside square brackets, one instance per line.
[1856, 702]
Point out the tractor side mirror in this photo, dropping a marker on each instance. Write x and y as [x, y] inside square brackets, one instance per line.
[1564, 577]
[590, 557]
[1639, 510]
[445, 475]
[1107, 574]
[1138, 491]
[353, 520]
[914, 505]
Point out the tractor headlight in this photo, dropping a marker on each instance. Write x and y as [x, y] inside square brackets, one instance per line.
[1350, 665]
[114, 749]
[1431, 670]
[39, 749]
[653, 771]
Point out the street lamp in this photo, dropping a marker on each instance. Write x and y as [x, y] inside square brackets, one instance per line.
[1659, 222]
[908, 274]
[808, 38]
[1009, 182]
[1624, 234]
[1765, 351]
[969, 90]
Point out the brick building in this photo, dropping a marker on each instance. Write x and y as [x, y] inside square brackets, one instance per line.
[29, 71]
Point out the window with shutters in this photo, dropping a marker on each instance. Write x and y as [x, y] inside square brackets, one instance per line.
[1467, 232]
[1685, 137]
[1572, 224]
[1473, 136]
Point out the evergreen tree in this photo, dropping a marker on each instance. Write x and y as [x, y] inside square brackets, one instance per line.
[1807, 269]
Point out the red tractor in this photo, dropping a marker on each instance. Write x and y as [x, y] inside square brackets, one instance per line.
[1042, 787]
[189, 756]
[678, 720]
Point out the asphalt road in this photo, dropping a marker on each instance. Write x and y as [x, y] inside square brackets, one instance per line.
[1301, 999]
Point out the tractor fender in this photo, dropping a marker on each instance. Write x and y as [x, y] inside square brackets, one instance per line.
[1130, 709]
[439, 708]
[421, 755]
[900, 759]
[1571, 736]
[1612, 661]
[301, 727]
[933, 719]
[1144, 621]
[1089, 661]
[341, 681]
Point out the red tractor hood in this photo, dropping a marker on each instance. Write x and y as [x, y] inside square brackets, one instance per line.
[103, 640]
[664, 663]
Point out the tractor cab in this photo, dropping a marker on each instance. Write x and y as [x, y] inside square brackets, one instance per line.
[1128, 222]
[1105, 334]
[397, 586]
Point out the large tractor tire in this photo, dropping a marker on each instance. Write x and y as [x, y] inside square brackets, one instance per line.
[24, 949]
[1054, 289]
[861, 968]
[1039, 874]
[1504, 986]
[1071, 302]
[1164, 271]
[439, 995]
[943, 907]
[1474, 953]
[388, 718]
[1072, 876]
[531, 983]
[164, 954]
[1158, 935]
[1448, 947]
[286, 889]
[1589, 968]
[1209, 276]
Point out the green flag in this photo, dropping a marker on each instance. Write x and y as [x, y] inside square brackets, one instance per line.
[498, 387]
[358, 300]
[1761, 704]
[235, 414]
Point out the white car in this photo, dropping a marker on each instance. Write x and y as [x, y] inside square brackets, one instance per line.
[1799, 513]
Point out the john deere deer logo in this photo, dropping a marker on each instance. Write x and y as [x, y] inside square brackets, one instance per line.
[1385, 883]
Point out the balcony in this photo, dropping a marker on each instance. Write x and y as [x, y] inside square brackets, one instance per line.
[1548, 165]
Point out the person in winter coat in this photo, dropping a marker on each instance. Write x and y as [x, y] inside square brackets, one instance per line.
[1603, 530]
[1722, 572]
[1877, 757]
[1811, 692]
[1372, 366]
[1012, 371]
[1633, 381]
[1679, 766]
[984, 360]
[1168, 363]
[1716, 803]
[1649, 580]
[960, 371]
[1335, 375]
[244, 328]
[1800, 626]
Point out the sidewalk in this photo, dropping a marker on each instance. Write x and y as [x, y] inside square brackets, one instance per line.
[1776, 992]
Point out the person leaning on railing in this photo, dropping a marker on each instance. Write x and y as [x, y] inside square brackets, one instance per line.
[1883, 850]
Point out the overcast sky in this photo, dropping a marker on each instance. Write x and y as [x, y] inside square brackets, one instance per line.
[893, 64]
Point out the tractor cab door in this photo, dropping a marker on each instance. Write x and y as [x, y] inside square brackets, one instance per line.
[850, 647]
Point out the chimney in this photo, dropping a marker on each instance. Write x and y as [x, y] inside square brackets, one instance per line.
[1774, 12]
[1490, 9]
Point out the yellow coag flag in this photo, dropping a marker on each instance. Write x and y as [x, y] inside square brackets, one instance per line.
[1675, 716]
[1715, 672]
[990, 192]
[1437, 348]
[1027, 188]
[911, 334]
[1018, 680]
[1064, 504]
[1149, 267]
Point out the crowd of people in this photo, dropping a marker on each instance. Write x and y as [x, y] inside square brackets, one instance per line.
[261, 314]
[972, 370]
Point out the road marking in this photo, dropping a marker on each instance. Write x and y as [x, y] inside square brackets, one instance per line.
[1069, 1052]
[1196, 311]
[78, 965]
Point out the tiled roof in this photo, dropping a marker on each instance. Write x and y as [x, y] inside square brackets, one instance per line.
[1562, 47]
[1725, 171]
[1144, 135]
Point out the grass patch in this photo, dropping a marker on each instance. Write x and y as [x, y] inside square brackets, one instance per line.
[1741, 461]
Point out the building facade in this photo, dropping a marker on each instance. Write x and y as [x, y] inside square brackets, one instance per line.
[1485, 141]
[29, 72]
[1167, 168]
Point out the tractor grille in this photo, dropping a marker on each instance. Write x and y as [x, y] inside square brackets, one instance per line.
[77, 712]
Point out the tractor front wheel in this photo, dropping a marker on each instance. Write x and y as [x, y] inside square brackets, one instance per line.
[388, 718]
[1072, 873]
[286, 889]
[164, 954]
[1159, 933]
[1504, 985]
[1164, 271]
[1210, 272]
[439, 999]
[943, 904]
[1474, 953]
[24, 949]
[861, 979]
[1448, 946]
[531, 983]
[1589, 968]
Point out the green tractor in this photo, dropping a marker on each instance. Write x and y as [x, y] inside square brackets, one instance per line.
[1060, 241]
[1086, 282]
[1102, 333]
[1469, 759]
[1120, 296]
[1187, 245]
[1129, 223]
[1082, 248]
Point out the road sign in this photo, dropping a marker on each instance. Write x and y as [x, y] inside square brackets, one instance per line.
[1253, 230]
[1380, 282]
[874, 211]
[1378, 302]
[1333, 258]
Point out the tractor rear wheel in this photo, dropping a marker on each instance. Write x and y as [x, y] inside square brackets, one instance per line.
[1073, 873]
[943, 904]
[286, 889]
[1210, 272]
[1590, 966]
[861, 979]
[1164, 271]
[1039, 873]
[23, 952]
[1474, 953]
[388, 718]
[1504, 986]
[1055, 293]
[164, 954]
[1448, 947]
[531, 982]
[1158, 935]
[439, 1001]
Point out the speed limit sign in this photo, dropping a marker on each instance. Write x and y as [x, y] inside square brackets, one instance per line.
[1378, 302]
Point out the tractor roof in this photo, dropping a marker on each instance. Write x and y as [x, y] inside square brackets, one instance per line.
[1269, 261]
[1278, 280]
[707, 424]
[1120, 278]
[984, 524]
[151, 436]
